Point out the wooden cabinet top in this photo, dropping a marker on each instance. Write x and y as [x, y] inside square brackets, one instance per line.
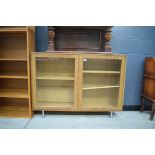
[95, 54]
[16, 28]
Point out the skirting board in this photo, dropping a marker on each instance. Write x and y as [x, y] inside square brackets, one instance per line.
[135, 107]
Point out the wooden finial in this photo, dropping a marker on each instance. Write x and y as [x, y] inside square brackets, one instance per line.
[51, 38]
[107, 39]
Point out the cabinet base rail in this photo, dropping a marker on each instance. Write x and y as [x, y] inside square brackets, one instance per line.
[43, 114]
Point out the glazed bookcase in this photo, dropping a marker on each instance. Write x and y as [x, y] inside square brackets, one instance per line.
[15, 96]
[77, 81]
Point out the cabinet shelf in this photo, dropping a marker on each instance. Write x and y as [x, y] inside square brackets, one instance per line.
[98, 87]
[56, 76]
[13, 59]
[14, 111]
[16, 55]
[11, 30]
[16, 28]
[101, 72]
[14, 93]
[14, 75]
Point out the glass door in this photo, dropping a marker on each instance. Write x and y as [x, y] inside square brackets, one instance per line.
[100, 83]
[55, 83]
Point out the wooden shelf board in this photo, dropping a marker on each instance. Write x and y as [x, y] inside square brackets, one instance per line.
[15, 55]
[14, 75]
[49, 76]
[17, 28]
[12, 59]
[14, 93]
[4, 29]
[101, 72]
[14, 111]
[98, 87]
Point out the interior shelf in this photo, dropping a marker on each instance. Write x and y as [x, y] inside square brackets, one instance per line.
[14, 111]
[13, 45]
[13, 59]
[14, 75]
[13, 29]
[98, 87]
[15, 70]
[101, 72]
[14, 93]
[55, 69]
[16, 55]
[55, 76]
[13, 107]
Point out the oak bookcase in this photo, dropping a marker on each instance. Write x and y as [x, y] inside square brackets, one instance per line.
[15, 45]
[77, 81]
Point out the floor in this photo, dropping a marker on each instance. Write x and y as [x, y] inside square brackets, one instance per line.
[120, 120]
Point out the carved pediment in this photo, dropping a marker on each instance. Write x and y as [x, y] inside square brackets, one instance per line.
[79, 38]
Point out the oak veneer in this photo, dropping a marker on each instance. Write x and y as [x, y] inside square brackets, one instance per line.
[15, 95]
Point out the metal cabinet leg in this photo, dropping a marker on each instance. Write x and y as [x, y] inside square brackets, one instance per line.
[43, 113]
[111, 114]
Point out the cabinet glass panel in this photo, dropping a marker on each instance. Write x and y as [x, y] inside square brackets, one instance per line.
[101, 82]
[55, 82]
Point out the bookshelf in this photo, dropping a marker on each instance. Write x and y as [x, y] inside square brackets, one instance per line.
[15, 95]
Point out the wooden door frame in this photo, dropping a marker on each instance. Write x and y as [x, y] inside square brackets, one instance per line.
[33, 75]
[122, 79]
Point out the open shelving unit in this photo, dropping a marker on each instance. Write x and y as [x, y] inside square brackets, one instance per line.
[15, 45]
[53, 79]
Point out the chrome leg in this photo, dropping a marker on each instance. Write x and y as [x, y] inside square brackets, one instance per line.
[111, 113]
[43, 113]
